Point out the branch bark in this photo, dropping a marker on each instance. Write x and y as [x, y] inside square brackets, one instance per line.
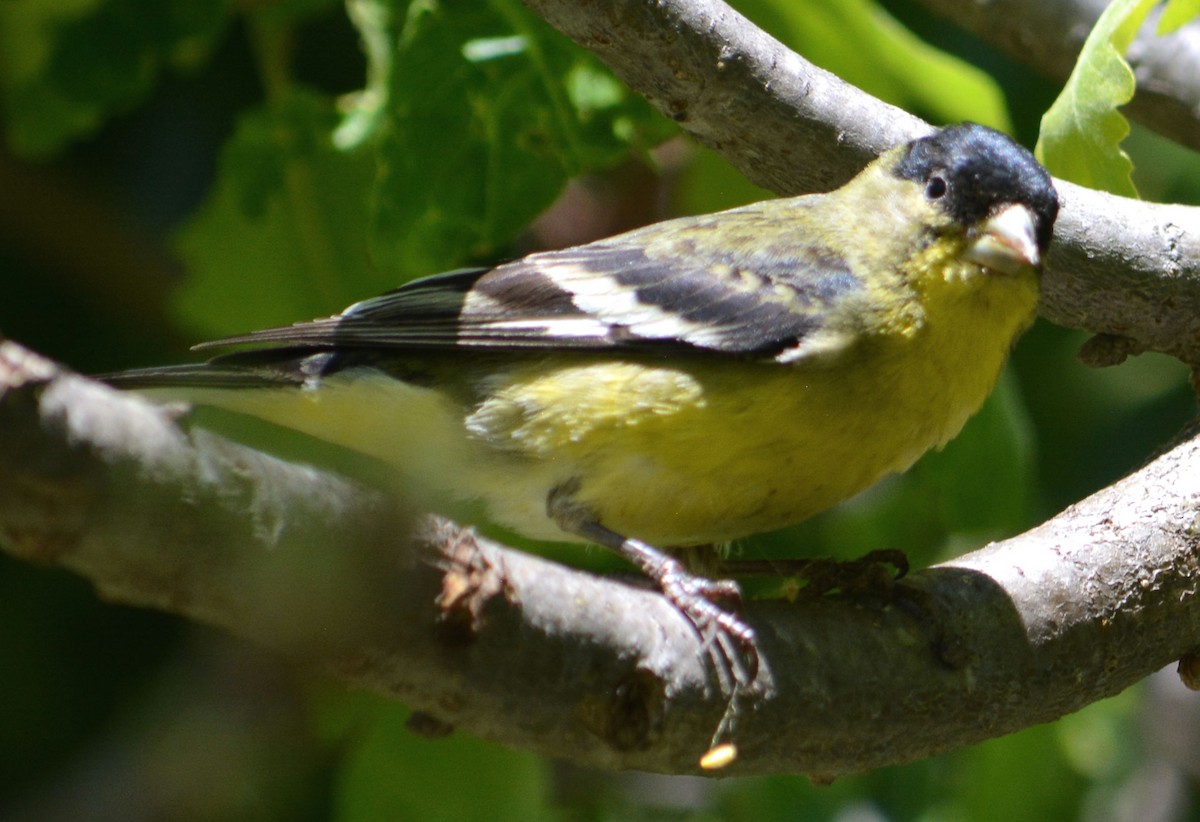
[511, 647]
[1126, 270]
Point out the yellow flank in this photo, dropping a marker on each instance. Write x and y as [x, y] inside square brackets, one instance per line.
[701, 451]
[413, 429]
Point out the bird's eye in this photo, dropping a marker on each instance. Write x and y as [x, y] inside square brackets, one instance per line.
[935, 188]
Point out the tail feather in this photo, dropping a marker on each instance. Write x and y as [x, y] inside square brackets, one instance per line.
[287, 367]
[205, 375]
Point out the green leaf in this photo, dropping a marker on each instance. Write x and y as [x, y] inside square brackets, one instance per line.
[985, 776]
[389, 773]
[69, 65]
[472, 119]
[1081, 134]
[482, 112]
[864, 45]
[283, 235]
[1177, 13]
[292, 12]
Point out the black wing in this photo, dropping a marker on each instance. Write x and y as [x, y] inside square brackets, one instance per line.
[674, 284]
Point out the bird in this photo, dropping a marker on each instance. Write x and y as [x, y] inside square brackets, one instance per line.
[688, 383]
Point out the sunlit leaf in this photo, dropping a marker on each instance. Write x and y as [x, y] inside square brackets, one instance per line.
[1177, 13]
[864, 45]
[283, 235]
[1082, 132]
[482, 113]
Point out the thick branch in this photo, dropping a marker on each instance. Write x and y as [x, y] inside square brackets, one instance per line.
[511, 647]
[1120, 268]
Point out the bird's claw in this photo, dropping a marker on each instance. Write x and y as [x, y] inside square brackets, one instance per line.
[729, 641]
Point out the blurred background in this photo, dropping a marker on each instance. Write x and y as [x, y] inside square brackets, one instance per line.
[173, 171]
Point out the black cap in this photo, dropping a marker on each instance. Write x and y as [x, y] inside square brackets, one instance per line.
[971, 169]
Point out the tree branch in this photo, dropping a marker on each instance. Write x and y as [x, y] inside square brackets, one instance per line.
[514, 648]
[1047, 36]
[1120, 268]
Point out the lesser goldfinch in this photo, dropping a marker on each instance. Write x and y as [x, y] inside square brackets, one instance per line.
[691, 382]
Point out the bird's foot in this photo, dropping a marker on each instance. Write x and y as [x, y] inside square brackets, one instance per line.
[875, 572]
[729, 641]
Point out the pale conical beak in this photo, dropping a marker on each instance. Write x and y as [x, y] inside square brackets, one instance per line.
[1006, 241]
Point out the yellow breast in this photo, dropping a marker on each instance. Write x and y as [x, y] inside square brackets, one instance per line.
[709, 449]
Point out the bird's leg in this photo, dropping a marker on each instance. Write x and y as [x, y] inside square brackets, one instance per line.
[868, 573]
[730, 642]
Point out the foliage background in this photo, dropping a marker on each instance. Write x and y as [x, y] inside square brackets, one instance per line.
[178, 169]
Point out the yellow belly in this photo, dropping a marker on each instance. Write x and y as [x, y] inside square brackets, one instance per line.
[721, 452]
[710, 449]
[699, 450]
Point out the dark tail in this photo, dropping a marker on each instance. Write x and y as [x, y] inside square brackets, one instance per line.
[287, 372]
